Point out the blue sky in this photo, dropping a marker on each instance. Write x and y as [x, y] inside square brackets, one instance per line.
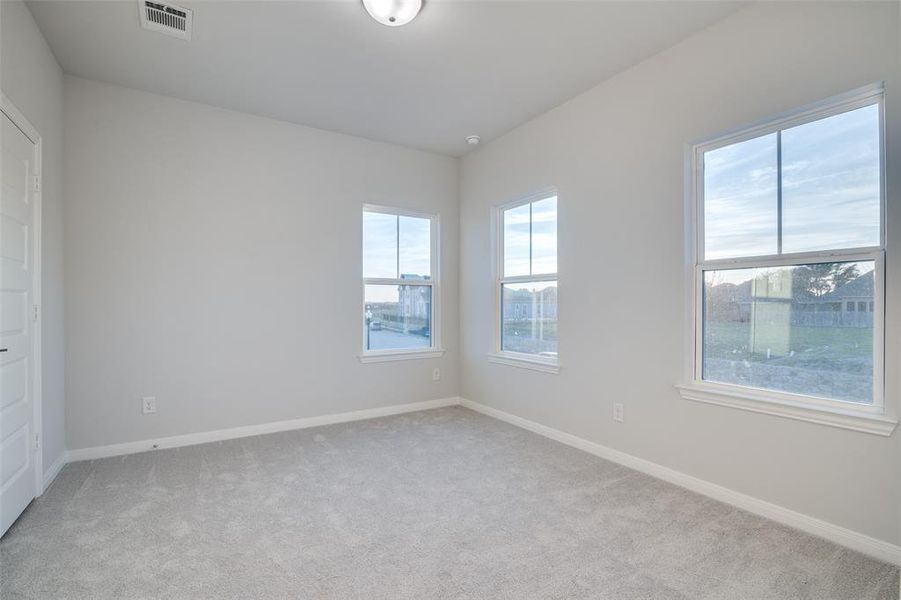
[830, 189]
[393, 246]
[543, 240]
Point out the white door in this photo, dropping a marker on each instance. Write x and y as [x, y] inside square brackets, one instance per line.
[17, 436]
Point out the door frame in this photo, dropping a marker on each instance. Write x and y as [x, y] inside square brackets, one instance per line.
[37, 444]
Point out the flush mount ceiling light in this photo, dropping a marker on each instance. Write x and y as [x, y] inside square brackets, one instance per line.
[393, 13]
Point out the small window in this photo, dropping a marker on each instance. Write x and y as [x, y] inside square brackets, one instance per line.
[789, 227]
[399, 281]
[527, 283]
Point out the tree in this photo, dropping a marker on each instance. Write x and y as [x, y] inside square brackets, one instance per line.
[820, 279]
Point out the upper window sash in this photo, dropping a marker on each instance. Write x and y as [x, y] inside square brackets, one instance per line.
[537, 262]
[868, 96]
[434, 229]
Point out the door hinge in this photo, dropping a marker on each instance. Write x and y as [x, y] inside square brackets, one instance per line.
[37, 440]
[37, 183]
[34, 315]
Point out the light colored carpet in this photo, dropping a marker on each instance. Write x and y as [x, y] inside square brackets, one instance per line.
[431, 505]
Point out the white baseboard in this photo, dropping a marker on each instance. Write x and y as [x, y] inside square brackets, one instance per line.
[51, 473]
[204, 437]
[865, 544]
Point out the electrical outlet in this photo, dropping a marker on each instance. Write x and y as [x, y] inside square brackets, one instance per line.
[436, 374]
[148, 405]
[618, 412]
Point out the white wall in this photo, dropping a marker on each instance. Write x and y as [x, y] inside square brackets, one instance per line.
[32, 80]
[616, 155]
[213, 260]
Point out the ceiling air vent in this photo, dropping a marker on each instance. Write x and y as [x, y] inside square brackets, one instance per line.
[166, 18]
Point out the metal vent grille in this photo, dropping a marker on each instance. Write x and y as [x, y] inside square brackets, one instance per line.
[166, 18]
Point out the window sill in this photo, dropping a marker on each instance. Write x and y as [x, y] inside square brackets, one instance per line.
[525, 362]
[393, 355]
[760, 401]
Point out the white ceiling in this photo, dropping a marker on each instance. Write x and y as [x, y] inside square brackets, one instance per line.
[461, 67]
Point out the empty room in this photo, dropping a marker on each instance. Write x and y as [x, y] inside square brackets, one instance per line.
[450, 299]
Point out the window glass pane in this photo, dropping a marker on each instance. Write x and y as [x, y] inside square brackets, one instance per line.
[398, 317]
[379, 245]
[740, 199]
[793, 329]
[544, 236]
[415, 248]
[516, 241]
[830, 182]
[529, 318]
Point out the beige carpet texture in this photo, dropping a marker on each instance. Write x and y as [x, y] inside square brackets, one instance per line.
[439, 504]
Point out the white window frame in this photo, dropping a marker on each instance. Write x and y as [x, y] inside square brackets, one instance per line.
[543, 364]
[435, 350]
[874, 418]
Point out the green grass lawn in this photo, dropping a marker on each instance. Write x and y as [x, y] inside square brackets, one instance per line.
[518, 336]
[843, 349]
[524, 328]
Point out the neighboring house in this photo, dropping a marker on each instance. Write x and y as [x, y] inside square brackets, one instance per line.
[849, 305]
[854, 296]
[522, 304]
[410, 314]
[415, 300]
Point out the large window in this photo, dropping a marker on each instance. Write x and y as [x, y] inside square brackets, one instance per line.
[527, 281]
[789, 259]
[399, 283]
